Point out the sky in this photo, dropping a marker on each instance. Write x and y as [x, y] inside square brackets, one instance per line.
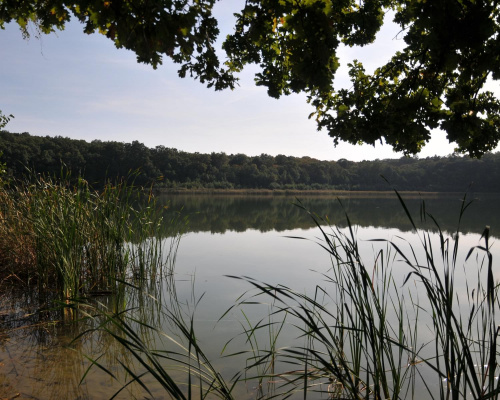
[80, 86]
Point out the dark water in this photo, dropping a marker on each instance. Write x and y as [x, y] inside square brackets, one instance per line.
[226, 235]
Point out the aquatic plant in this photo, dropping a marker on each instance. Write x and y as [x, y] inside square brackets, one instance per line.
[68, 238]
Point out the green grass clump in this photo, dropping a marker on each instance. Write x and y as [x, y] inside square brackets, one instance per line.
[67, 238]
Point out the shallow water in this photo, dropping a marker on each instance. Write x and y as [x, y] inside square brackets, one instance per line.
[227, 235]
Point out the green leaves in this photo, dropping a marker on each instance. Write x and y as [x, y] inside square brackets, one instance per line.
[295, 43]
[4, 119]
[436, 81]
[184, 31]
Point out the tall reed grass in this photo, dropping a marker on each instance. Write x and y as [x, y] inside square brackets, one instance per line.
[73, 240]
[368, 333]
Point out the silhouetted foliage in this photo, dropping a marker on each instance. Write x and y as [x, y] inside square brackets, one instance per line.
[439, 77]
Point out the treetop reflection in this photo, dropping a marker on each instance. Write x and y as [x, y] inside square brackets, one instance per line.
[218, 214]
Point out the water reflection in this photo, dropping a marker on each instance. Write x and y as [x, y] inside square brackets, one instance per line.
[46, 352]
[219, 213]
[39, 359]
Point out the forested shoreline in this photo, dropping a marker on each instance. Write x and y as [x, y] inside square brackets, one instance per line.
[166, 167]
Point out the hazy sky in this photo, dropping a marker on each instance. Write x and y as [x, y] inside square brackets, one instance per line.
[80, 86]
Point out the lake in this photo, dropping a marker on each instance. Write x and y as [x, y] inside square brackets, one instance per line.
[252, 236]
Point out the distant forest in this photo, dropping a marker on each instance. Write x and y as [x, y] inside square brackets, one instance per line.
[166, 167]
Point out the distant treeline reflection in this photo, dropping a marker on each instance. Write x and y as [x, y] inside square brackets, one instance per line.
[220, 213]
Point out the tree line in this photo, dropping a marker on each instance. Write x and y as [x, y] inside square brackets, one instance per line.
[165, 167]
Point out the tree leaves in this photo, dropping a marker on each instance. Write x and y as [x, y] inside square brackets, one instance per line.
[4, 119]
[182, 30]
[437, 81]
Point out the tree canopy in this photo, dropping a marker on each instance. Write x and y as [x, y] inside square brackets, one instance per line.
[452, 49]
[25, 156]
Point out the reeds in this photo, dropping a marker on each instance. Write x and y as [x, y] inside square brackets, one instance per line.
[73, 240]
[371, 336]
[173, 359]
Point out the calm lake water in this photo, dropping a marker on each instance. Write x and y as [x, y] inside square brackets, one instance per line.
[253, 236]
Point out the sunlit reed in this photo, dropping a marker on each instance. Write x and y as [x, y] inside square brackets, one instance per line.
[70, 239]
